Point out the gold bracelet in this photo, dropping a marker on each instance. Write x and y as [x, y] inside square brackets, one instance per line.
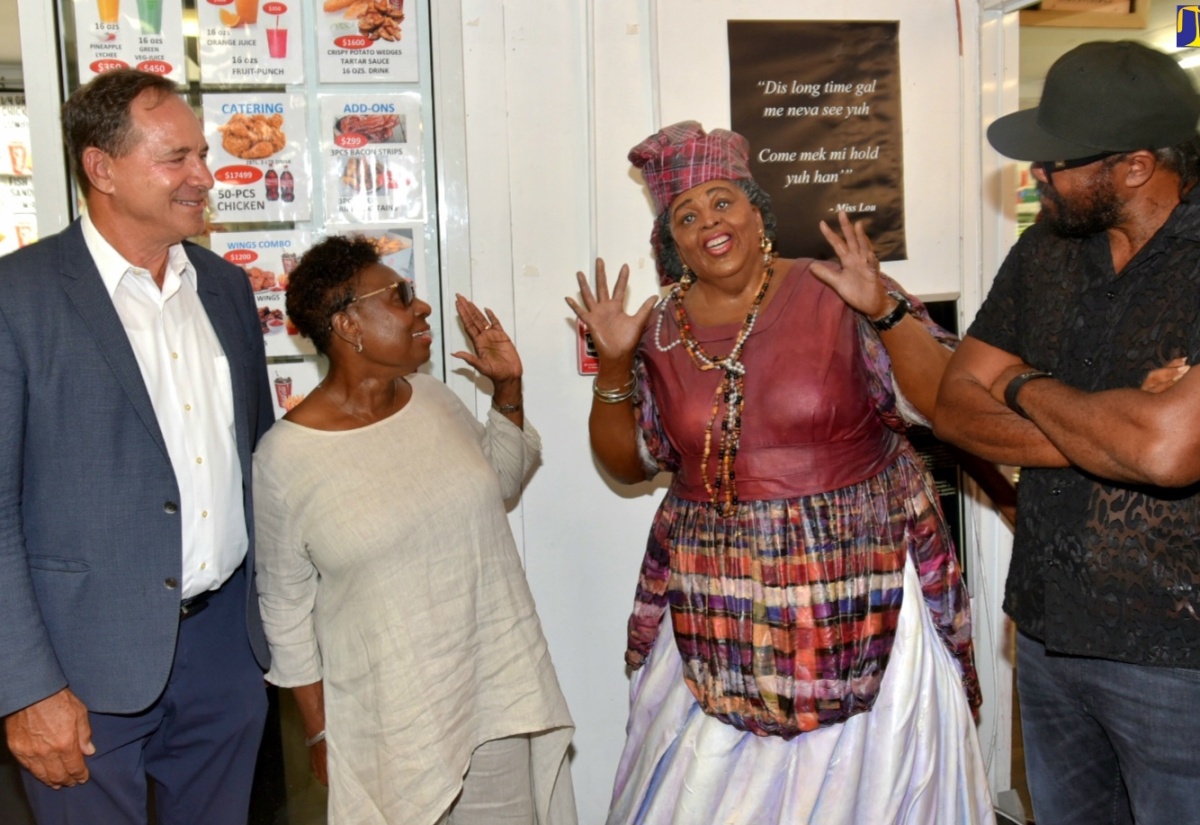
[616, 395]
[507, 408]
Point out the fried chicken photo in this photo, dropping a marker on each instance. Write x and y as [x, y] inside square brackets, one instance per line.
[252, 137]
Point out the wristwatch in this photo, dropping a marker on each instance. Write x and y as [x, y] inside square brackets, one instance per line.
[902, 308]
[1015, 385]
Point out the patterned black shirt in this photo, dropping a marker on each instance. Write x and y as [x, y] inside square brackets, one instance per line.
[1101, 569]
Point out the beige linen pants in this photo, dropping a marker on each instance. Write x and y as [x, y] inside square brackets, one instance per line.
[498, 787]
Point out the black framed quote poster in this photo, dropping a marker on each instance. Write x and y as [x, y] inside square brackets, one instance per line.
[819, 102]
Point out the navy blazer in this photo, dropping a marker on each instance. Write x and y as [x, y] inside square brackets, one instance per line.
[90, 530]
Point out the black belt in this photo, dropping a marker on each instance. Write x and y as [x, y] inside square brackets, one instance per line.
[191, 606]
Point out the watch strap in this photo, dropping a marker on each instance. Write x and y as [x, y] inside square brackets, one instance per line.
[902, 308]
[1015, 385]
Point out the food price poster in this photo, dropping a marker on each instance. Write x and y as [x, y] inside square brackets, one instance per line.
[142, 34]
[291, 380]
[257, 154]
[367, 41]
[820, 104]
[401, 248]
[268, 258]
[374, 170]
[15, 157]
[18, 217]
[251, 43]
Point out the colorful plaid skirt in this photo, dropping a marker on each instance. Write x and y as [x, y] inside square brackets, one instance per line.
[784, 614]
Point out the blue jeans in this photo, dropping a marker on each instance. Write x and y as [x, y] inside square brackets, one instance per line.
[1108, 743]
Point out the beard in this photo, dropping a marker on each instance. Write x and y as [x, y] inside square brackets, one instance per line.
[1095, 210]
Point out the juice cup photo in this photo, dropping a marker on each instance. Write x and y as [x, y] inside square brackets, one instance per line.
[248, 11]
[26, 234]
[18, 153]
[150, 15]
[277, 42]
[109, 10]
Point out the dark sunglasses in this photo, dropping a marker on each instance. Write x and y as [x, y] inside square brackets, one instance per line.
[403, 287]
[1049, 166]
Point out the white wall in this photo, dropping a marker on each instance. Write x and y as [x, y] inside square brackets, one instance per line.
[556, 92]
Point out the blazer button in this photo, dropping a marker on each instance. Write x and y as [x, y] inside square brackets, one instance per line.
[170, 507]
[171, 583]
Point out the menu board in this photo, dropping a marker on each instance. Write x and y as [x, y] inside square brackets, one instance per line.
[15, 158]
[373, 161]
[256, 151]
[400, 249]
[367, 41]
[18, 218]
[268, 259]
[247, 43]
[119, 34]
[292, 380]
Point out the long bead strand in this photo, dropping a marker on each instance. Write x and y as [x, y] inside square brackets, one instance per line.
[722, 488]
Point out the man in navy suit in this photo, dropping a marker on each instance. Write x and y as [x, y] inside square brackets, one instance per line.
[133, 390]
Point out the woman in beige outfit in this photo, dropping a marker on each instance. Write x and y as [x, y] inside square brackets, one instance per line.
[392, 594]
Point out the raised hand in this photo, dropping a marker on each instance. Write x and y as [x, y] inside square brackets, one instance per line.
[495, 356]
[615, 333]
[857, 282]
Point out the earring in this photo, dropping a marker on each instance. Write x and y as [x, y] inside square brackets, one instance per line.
[358, 346]
[767, 247]
[686, 277]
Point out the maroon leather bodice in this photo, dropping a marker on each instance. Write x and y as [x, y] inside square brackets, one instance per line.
[808, 424]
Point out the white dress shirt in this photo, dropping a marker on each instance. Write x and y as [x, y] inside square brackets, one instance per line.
[187, 376]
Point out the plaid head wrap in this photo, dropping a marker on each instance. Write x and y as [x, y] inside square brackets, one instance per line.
[683, 155]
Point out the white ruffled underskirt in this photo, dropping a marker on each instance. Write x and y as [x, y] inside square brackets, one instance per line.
[914, 759]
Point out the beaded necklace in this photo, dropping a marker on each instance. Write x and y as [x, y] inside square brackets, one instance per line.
[722, 489]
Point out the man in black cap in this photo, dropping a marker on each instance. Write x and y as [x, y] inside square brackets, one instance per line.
[1075, 369]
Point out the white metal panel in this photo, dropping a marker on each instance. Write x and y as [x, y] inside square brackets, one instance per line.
[39, 59]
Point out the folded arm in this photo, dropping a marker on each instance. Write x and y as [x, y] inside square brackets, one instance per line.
[968, 416]
[1134, 436]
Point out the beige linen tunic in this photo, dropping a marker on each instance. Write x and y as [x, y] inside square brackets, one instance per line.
[386, 567]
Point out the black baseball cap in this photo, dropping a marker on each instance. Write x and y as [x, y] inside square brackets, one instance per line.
[1105, 96]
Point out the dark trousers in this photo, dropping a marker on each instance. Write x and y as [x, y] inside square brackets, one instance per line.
[1108, 743]
[197, 743]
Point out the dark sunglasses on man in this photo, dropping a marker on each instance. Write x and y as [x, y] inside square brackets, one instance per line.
[1049, 166]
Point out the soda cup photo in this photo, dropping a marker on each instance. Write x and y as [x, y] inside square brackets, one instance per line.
[283, 389]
